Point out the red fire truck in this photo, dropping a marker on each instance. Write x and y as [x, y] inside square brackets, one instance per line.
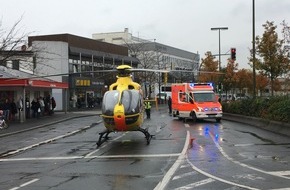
[195, 101]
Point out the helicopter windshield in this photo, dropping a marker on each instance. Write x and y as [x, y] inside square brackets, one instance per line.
[131, 99]
[109, 101]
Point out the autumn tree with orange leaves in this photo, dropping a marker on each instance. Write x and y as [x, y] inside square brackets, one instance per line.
[230, 79]
[208, 64]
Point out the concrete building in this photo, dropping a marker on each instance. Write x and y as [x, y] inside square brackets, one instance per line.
[78, 61]
[170, 57]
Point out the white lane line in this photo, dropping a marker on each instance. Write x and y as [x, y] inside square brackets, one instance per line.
[280, 173]
[137, 156]
[242, 164]
[186, 125]
[217, 178]
[196, 184]
[90, 157]
[40, 158]
[162, 184]
[25, 184]
[184, 175]
[44, 142]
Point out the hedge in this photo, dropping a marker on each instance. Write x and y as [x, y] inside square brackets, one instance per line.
[272, 108]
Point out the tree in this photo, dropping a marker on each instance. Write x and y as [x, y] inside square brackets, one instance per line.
[14, 50]
[243, 80]
[12, 43]
[261, 83]
[148, 60]
[273, 60]
[210, 65]
[230, 78]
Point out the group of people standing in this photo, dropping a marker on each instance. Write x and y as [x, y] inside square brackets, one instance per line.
[9, 109]
[39, 106]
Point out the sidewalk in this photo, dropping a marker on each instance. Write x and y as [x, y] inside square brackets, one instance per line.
[32, 123]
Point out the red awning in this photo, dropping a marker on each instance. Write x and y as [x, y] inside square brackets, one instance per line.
[10, 82]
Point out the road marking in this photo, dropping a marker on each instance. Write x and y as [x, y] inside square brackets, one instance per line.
[217, 178]
[196, 184]
[187, 125]
[243, 144]
[40, 158]
[280, 173]
[184, 175]
[90, 157]
[25, 184]
[242, 164]
[44, 142]
[162, 184]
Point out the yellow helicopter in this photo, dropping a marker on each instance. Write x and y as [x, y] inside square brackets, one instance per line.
[122, 108]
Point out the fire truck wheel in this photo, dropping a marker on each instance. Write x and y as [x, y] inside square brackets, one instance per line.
[193, 117]
[218, 120]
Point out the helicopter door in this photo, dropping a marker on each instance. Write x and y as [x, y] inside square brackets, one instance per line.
[131, 99]
[109, 101]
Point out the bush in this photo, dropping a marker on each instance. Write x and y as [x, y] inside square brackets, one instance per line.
[272, 108]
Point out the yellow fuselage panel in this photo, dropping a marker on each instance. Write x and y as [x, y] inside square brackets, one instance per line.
[123, 83]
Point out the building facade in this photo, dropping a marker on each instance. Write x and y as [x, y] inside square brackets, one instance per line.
[185, 64]
[80, 62]
[171, 57]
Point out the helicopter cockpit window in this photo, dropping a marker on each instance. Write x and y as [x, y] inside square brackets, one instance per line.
[131, 101]
[109, 101]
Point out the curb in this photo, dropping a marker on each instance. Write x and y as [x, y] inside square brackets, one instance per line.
[273, 126]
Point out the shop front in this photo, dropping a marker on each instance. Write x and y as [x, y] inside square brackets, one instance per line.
[86, 92]
[23, 91]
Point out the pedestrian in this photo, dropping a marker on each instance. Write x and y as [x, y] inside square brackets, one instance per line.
[169, 102]
[6, 107]
[53, 104]
[27, 108]
[35, 107]
[147, 105]
[20, 107]
[42, 105]
[47, 103]
[13, 109]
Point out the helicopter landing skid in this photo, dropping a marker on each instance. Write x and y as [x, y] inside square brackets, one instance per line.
[101, 139]
[147, 135]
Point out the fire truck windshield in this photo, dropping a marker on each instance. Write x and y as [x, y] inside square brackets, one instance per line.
[204, 97]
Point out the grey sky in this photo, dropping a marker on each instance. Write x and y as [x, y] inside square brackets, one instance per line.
[183, 24]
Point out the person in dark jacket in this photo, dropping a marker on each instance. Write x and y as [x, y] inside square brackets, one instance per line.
[13, 109]
[6, 107]
[169, 104]
[35, 107]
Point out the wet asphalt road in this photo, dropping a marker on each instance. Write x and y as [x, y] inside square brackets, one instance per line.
[202, 155]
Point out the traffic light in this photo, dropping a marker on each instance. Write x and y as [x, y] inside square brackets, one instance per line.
[233, 53]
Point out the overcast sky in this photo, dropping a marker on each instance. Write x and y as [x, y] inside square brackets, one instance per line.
[184, 24]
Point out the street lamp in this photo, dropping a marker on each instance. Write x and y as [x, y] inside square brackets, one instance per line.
[254, 53]
[219, 29]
